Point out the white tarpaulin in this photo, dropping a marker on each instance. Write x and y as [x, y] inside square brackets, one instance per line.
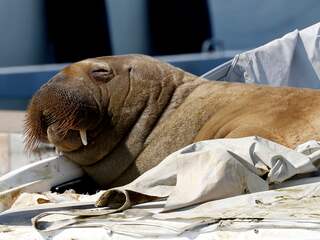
[216, 169]
[293, 60]
[201, 172]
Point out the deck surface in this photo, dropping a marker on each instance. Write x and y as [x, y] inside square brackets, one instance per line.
[11, 121]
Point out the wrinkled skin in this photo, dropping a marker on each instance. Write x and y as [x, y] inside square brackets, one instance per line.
[136, 110]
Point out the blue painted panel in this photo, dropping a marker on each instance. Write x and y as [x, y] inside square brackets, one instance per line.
[247, 24]
[22, 85]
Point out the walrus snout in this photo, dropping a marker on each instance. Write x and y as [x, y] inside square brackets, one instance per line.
[60, 115]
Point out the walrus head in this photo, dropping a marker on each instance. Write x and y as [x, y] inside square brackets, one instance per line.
[94, 105]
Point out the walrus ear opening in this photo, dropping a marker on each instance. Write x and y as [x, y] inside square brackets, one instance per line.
[102, 74]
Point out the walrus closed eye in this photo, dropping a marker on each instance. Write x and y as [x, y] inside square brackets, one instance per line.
[119, 116]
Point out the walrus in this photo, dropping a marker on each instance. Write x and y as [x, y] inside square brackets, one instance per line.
[118, 116]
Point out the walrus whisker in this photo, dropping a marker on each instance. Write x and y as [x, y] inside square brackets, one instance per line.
[33, 131]
[36, 125]
[64, 127]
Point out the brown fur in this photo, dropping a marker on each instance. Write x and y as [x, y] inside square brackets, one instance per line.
[137, 110]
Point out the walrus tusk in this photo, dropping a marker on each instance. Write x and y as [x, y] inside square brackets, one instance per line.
[58, 152]
[83, 135]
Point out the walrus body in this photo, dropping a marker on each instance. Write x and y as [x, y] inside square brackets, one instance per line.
[134, 111]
